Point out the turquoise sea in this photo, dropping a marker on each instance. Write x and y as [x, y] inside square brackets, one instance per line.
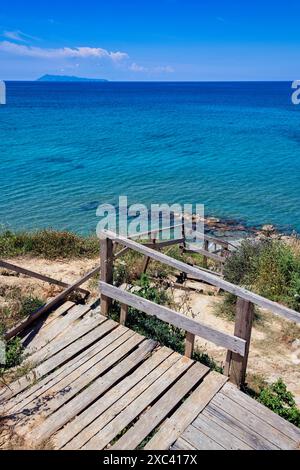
[67, 147]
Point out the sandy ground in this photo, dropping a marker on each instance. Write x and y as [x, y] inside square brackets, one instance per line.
[269, 357]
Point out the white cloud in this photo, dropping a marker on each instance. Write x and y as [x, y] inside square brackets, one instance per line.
[160, 69]
[137, 68]
[18, 36]
[60, 53]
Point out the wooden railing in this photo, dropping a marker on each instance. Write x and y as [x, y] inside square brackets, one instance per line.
[237, 344]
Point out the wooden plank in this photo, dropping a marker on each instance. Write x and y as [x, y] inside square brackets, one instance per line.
[212, 429]
[41, 277]
[82, 327]
[253, 422]
[43, 323]
[207, 277]
[123, 314]
[56, 421]
[174, 426]
[50, 305]
[153, 417]
[108, 413]
[175, 318]
[58, 359]
[155, 231]
[57, 328]
[42, 386]
[89, 415]
[189, 344]
[262, 412]
[112, 429]
[80, 378]
[237, 428]
[200, 441]
[106, 272]
[206, 254]
[181, 444]
[242, 328]
[164, 244]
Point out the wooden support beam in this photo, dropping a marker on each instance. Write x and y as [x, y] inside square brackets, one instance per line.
[205, 259]
[237, 364]
[50, 305]
[41, 277]
[123, 314]
[106, 271]
[189, 344]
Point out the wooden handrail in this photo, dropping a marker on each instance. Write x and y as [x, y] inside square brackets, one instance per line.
[50, 305]
[230, 342]
[41, 277]
[202, 275]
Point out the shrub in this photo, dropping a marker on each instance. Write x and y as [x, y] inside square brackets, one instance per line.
[49, 244]
[268, 267]
[281, 401]
[13, 354]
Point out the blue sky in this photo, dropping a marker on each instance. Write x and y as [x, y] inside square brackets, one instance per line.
[151, 39]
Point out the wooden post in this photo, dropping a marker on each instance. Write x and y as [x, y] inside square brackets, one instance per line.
[146, 261]
[106, 273]
[123, 314]
[206, 246]
[189, 344]
[236, 365]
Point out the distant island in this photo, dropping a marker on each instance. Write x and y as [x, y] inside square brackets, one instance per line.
[66, 78]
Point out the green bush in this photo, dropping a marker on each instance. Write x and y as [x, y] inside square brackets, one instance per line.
[14, 353]
[30, 305]
[281, 401]
[268, 267]
[49, 244]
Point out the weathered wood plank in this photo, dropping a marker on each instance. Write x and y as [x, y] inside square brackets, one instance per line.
[212, 429]
[152, 418]
[181, 444]
[112, 429]
[106, 271]
[80, 378]
[110, 398]
[175, 318]
[237, 428]
[58, 359]
[174, 426]
[82, 327]
[253, 422]
[57, 328]
[242, 328]
[208, 277]
[123, 314]
[62, 377]
[200, 441]
[112, 411]
[56, 421]
[262, 412]
[189, 344]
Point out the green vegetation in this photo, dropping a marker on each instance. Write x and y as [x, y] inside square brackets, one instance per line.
[13, 353]
[269, 267]
[153, 328]
[50, 244]
[281, 401]
[17, 306]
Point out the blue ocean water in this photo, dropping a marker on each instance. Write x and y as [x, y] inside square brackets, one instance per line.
[66, 147]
